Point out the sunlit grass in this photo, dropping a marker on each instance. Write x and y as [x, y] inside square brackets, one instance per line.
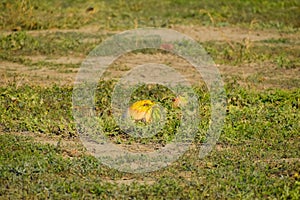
[256, 156]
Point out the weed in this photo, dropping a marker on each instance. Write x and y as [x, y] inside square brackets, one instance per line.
[283, 62]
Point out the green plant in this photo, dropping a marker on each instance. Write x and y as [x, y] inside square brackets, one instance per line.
[283, 62]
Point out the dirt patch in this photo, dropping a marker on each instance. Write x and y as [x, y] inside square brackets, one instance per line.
[20, 74]
[236, 34]
[129, 181]
[261, 76]
[55, 59]
[68, 147]
[199, 33]
[127, 62]
[84, 29]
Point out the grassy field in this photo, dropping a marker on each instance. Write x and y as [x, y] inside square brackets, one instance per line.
[256, 47]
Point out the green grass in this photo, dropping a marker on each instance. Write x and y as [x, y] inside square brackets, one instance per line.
[119, 14]
[256, 156]
[51, 44]
[239, 53]
[36, 109]
[49, 110]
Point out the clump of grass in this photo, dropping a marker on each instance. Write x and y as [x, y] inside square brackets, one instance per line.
[18, 41]
[284, 62]
[245, 52]
[59, 44]
[36, 109]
